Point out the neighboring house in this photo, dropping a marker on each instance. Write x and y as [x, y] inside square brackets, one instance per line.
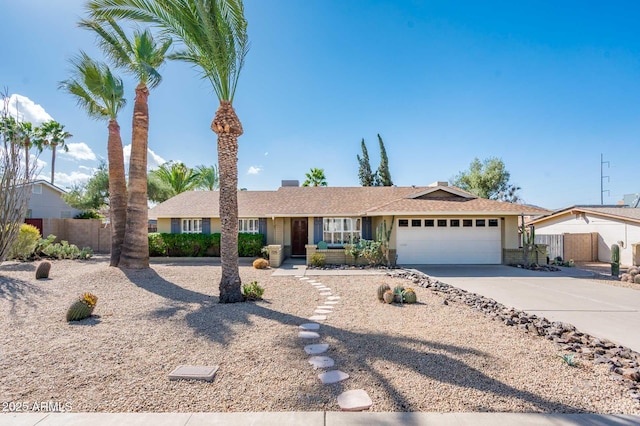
[607, 225]
[436, 224]
[631, 200]
[46, 202]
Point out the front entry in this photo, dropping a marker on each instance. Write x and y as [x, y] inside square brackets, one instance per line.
[299, 236]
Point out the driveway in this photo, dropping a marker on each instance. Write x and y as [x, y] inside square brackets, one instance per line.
[598, 309]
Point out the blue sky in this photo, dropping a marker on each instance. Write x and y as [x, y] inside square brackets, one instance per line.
[546, 86]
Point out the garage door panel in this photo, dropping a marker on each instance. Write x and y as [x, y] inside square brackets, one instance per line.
[446, 245]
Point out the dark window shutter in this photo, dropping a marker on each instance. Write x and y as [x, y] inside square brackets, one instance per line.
[206, 225]
[262, 229]
[367, 229]
[175, 225]
[317, 230]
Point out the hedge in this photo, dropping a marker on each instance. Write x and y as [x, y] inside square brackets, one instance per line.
[199, 245]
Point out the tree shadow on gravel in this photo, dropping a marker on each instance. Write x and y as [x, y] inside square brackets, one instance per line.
[216, 321]
[16, 291]
[18, 266]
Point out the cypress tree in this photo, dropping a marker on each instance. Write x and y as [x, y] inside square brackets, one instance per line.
[383, 176]
[364, 172]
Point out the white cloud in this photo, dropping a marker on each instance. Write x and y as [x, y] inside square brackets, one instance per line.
[90, 169]
[254, 170]
[24, 109]
[153, 159]
[69, 179]
[266, 153]
[79, 151]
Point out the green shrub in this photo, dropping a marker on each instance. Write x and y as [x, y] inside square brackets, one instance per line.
[62, 250]
[26, 242]
[252, 291]
[199, 245]
[318, 259]
[372, 251]
[88, 214]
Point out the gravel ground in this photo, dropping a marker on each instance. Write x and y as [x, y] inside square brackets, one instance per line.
[603, 274]
[424, 357]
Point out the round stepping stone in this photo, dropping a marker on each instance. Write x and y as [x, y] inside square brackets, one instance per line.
[308, 335]
[322, 311]
[317, 317]
[310, 326]
[321, 361]
[354, 400]
[333, 376]
[333, 297]
[316, 349]
[332, 302]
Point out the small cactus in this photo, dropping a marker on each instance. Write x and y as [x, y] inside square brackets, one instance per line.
[388, 296]
[409, 296]
[615, 253]
[82, 308]
[381, 290]
[260, 263]
[397, 292]
[43, 270]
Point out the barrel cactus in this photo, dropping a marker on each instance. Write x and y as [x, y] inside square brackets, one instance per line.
[397, 292]
[82, 308]
[409, 296]
[388, 296]
[260, 263]
[43, 270]
[381, 290]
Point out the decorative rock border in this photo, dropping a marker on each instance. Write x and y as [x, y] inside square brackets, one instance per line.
[623, 362]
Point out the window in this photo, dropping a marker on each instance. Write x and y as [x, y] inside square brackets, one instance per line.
[467, 223]
[493, 223]
[403, 223]
[29, 213]
[416, 222]
[480, 222]
[338, 231]
[36, 188]
[442, 222]
[191, 226]
[429, 223]
[455, 223]
[248, 226]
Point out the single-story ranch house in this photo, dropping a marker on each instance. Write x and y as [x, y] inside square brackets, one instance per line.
[435, 224]
[591, 230]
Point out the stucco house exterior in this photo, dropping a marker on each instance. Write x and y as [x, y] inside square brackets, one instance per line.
[435, 224]
[607, 224]
[46, 202]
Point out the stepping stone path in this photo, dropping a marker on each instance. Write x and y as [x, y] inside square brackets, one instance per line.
[317, 317]
[316, 349]
[321, 361]
[352, 400]
[310, 326]
[308, 335]
[333, 376]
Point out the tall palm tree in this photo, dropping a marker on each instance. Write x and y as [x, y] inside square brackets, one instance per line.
[214, 36]
[207, 177]
[141, 56]
[52, 135]
[315, 177]
[101, 94]
[28, 137]
[177, 176]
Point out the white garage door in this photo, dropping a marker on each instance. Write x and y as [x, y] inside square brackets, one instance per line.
[449, 241]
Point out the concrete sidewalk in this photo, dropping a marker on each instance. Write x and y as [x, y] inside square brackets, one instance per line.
[601, 310]
[316, 418]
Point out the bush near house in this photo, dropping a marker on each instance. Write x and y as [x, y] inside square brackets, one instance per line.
[200, 245]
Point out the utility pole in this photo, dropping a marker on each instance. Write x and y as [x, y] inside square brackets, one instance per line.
[602, 190]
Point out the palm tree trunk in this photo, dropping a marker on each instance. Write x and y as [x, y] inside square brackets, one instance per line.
[117, 191]
[135, 250]
[228, 127]
[53, 161]
[26, 161]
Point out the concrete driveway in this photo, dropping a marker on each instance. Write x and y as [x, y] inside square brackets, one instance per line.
[601, 310]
